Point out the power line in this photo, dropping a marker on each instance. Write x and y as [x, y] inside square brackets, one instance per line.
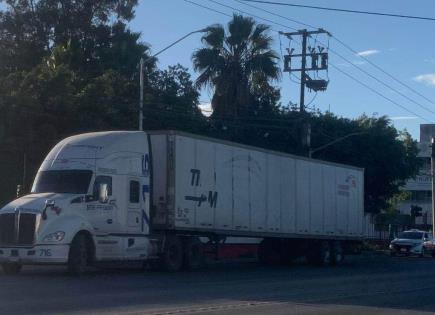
[382, 70]
[354, 52]
[382, 82]
[253, 15]
[377, 92]
[273, 13]
[344, 10]
[207, 8]
[258, 119]
[286, 26]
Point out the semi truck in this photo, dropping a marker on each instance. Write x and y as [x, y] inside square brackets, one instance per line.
[153, 197]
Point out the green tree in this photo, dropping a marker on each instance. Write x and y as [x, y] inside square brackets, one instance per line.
[237, 63]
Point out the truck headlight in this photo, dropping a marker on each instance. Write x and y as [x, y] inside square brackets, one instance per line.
[54, 237]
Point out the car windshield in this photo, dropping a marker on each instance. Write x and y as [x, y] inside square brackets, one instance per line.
[62, 181]
[411, 235]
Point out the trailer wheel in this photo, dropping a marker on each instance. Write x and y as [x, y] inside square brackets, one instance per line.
[325, 254]
[319, 254]
[337, 253]
[78, 257]
[11, 268]
[172, 254]
[193, 254]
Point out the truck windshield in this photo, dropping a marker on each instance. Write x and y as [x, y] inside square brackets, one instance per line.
[63, 181]
[411, 235]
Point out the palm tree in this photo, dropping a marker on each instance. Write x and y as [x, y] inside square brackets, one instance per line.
[236, 63]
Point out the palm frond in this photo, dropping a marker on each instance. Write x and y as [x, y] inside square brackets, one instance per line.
[240, 29]
[214, 36]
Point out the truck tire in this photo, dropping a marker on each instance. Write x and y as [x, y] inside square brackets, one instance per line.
[319, 254]
[11, 268]
[193, 254]
[325, 254]
[172, 257]
[337, 253]
[78, 257]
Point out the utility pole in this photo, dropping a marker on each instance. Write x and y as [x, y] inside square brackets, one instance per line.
[141, 94]
[303, 69]
[432, 163]
[151, 58]
[319, 61]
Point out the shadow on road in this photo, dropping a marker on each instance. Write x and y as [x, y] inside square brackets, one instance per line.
[370, 280]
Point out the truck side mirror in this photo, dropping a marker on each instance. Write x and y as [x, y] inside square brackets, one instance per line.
[103, 193]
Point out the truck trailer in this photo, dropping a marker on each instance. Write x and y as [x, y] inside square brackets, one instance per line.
[152, 197]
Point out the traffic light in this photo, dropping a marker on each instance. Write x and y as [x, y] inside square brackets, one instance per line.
[416, 211]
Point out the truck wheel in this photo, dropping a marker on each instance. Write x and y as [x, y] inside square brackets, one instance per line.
[325, 254]
[11, 268]
[337, 253]
[173, 254]
[193, 254]
[319, 254]
[78, 256]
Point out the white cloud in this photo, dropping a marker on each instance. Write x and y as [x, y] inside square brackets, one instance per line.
[206, 109]
[428, 79]
[369, 52]
[403, 118]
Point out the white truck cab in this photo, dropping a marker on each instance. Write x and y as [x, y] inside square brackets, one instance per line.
[90, 200]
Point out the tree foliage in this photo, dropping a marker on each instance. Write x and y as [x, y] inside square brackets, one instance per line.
[238, 64]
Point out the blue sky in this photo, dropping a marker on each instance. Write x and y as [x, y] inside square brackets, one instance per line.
[404, 48]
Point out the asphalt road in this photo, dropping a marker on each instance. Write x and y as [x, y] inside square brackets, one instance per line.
[369, 284]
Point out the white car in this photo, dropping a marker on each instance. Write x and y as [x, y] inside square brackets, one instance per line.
[410, 243]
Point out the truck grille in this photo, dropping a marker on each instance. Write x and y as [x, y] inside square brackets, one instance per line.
[17, 228]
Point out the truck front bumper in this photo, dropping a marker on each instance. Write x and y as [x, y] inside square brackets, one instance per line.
[37, 254]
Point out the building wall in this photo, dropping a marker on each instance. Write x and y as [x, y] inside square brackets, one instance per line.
[421, 187]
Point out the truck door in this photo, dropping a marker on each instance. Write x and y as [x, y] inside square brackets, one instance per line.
[101, 213]
[134, 201]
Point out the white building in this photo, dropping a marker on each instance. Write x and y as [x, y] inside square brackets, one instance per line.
[421, 187]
